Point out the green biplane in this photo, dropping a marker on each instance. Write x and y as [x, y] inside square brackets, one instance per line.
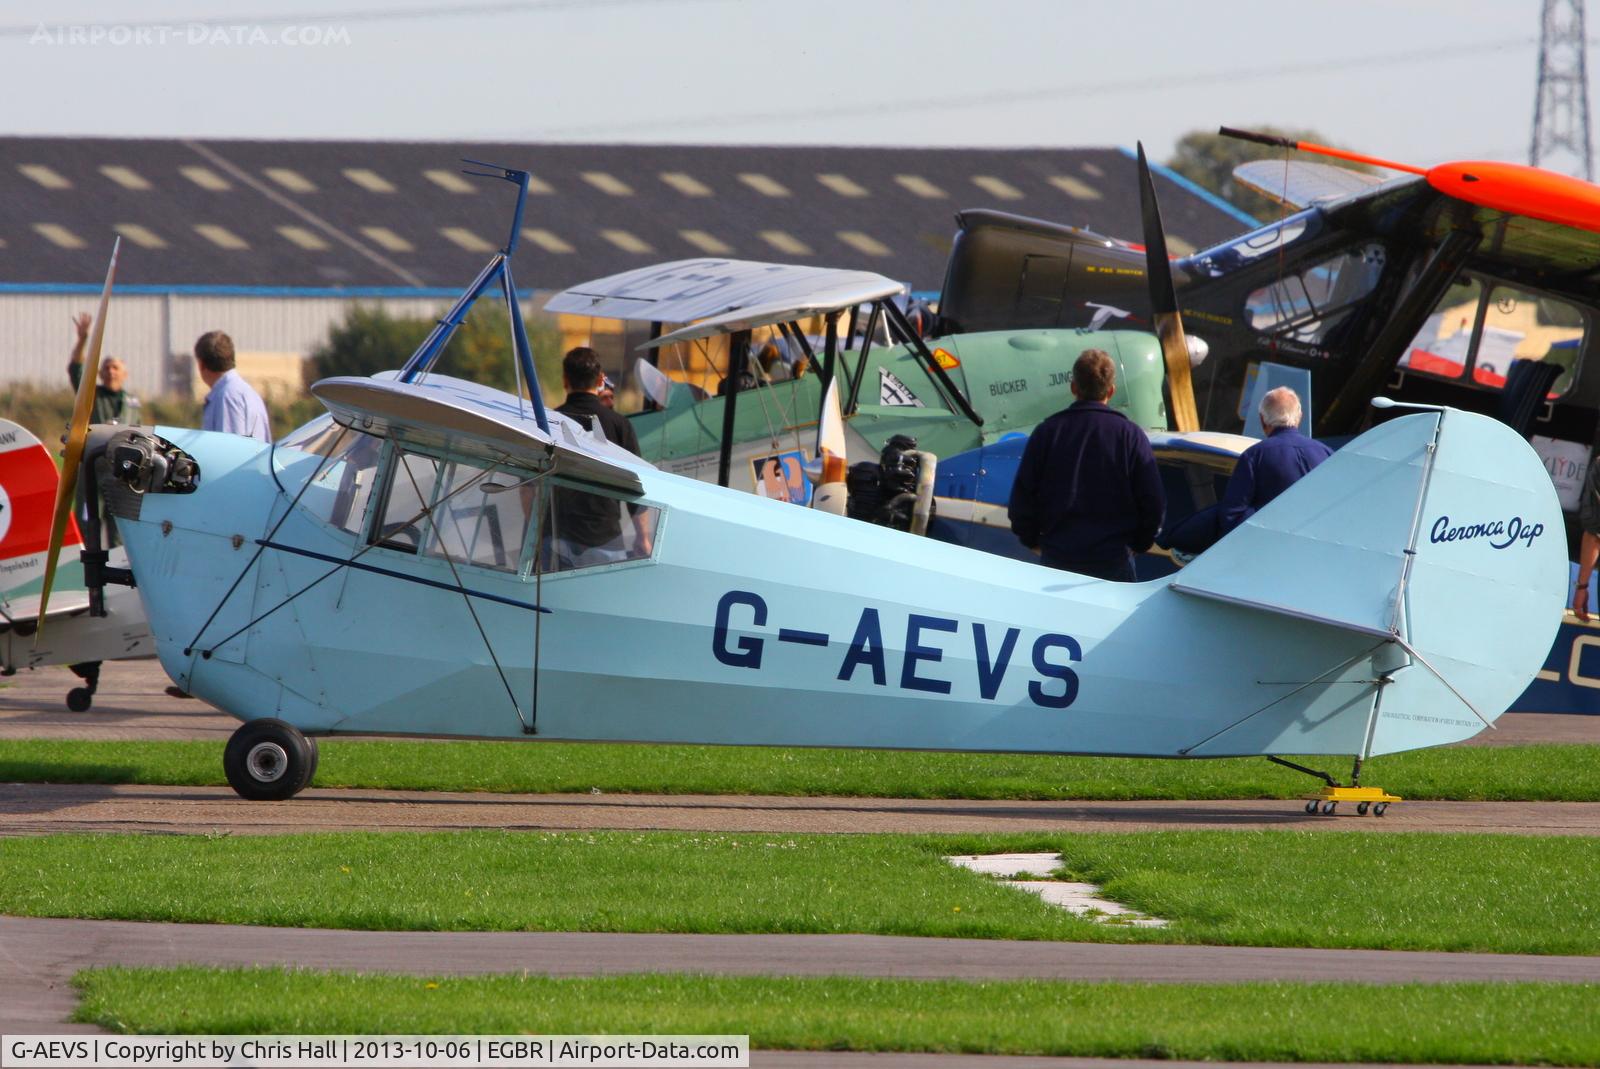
[971, 390]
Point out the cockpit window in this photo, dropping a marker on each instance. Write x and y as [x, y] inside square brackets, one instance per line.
[1221, 259]
[403, 522]
[1481, 326]
[481, 517]
[343, 486]
[1307, 305]
[583, 529]
[489, 516]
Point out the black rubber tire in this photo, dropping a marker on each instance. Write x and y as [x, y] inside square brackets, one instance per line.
[268, 760]
[316, 756]
[79, 699]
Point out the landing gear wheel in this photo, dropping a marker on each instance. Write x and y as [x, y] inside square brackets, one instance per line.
[268, 760]
[315, 757]
[1361, 808]
[1311, 807]
[80, 698]
[1380, 809]
[1328, 808]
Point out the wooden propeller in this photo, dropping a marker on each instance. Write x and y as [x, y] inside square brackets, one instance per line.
[77, 434]
[1164, 306]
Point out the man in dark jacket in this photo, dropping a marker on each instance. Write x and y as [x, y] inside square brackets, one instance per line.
[1263, 471]
[589, 526]
[1087, 493]
[1273, 464]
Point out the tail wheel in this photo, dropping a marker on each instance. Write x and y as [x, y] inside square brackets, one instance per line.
[268, 760]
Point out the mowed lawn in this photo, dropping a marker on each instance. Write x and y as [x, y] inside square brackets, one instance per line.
[1512, 773]
[1479, 1024]
[1415, 891]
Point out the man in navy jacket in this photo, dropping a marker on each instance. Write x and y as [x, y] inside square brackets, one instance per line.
[1273, 464]
[1087, 493]
[1263, 471]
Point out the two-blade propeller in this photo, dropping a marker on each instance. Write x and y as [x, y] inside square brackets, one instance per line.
[1164, 306]
[77, 435]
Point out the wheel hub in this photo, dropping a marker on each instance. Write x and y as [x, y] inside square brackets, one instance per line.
[267, 762]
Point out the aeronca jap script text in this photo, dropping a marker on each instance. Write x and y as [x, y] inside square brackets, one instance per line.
[1501, 534]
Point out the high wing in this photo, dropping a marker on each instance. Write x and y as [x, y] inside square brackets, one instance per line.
[443, 412]
[1300, 184]
[729, 295]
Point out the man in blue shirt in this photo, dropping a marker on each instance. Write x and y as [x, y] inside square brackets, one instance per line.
[231, 406]
[1088, 493]
[1263, 471]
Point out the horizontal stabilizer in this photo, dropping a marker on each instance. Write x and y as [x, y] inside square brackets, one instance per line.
[1300, 184]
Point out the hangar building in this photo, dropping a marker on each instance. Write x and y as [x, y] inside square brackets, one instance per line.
[272, 240]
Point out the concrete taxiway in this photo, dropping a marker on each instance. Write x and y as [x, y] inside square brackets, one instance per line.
[38, 956]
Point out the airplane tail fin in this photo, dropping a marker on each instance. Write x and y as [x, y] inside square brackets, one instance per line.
[1439, 533]
[28, 477]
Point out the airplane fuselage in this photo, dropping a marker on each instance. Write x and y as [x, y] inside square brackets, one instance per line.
[750, 622]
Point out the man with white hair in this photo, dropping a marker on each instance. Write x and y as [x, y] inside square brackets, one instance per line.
[1273, 464]
[1263, 471]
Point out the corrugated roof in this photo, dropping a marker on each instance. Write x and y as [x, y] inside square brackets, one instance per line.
[344, 213]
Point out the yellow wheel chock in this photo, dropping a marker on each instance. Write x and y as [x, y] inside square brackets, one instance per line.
[1328, 799]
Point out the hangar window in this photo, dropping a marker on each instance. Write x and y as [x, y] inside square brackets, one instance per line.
[1307, 305]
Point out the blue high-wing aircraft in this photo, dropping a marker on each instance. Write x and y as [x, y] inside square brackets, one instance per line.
[429, 570]
[444, 559]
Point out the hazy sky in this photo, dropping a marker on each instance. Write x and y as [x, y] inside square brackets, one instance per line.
[1421, 82]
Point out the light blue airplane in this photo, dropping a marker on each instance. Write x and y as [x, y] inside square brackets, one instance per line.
[443, 559]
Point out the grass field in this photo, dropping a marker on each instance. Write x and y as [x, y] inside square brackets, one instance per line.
[1512, 773]
[1546, 1024]
[1400, 891]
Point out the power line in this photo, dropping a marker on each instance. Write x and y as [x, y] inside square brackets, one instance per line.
[386, 14]
[1096, 88]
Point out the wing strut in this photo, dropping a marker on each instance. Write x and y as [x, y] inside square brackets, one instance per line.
[498, 269]
[920, 349]
[738, 359]
[1349, 405]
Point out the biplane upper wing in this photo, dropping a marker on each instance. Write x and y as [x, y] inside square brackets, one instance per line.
[446, 413]
[727, 295]
[1300, 184]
